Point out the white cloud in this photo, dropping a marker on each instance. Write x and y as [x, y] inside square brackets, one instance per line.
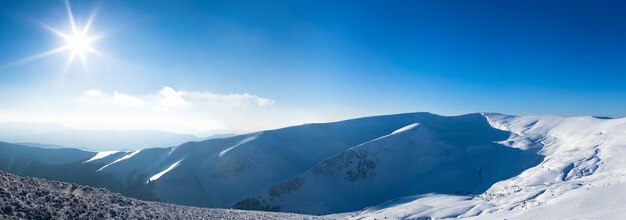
[173, 97]
[169, 97]
[166, 109]
[126, 99]
[171, 109]
[93, 92]
[95, 96]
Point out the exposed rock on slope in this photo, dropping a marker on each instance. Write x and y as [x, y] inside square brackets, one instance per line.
[31, 198]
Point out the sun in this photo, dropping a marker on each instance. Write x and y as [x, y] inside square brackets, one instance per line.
[78, 42]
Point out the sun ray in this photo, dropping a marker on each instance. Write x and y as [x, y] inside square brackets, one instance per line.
[93, 51]
[61, 34]
[91, 39]
[90, 21]
[83, 60]
[69, 61]
[39, 56]
[70, 15]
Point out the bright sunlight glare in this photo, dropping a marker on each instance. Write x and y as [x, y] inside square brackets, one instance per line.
[78, 42]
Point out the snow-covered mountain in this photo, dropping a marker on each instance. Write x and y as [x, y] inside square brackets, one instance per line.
[397, 166]
[453, 155]
[217, 172]
[582, 176]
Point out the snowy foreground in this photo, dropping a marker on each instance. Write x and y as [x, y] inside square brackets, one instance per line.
[581, 177]
[414, 165]
[31, 198]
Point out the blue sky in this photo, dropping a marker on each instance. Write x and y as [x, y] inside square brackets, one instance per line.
[311, 61]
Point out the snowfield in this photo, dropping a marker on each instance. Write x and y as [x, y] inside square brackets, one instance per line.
[451, 155]
[581, 176]
[405, 166]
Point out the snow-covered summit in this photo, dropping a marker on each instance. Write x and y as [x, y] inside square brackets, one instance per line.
[581, 175]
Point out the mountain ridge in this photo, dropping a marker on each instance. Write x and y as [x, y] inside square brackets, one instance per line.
[344, 166]
[582, 165]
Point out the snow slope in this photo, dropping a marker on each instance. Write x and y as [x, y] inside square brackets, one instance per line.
[100, 155]
[581, 176]
[220, 172]
[396, 166]
[455, 155]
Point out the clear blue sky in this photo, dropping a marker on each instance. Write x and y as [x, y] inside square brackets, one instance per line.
[325, 60]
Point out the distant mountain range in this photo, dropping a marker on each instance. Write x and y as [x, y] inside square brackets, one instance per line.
[55, 136]
[396, 166]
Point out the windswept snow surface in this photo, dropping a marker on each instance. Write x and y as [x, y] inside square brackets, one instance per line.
[405, 128]
[246, 140]
[101, 155]
[126, 157]
[158, 175]
[582, 176]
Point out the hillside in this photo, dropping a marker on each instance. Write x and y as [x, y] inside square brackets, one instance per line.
[31, 198]
[454, 155]
[212, 173]
[396, 166]
[582, 176]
